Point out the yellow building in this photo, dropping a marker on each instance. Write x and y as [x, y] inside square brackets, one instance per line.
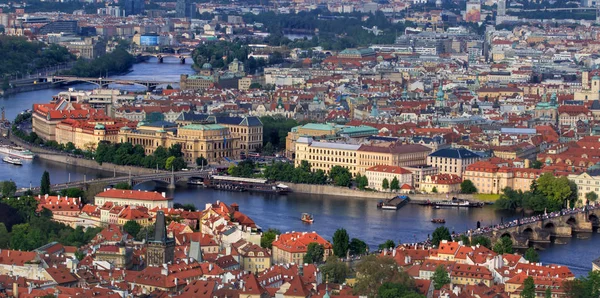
[442, 183]
[376, 175]
[325, 131]
[148, 199]
[585, 184]
[357, 158]
[252, 257]
[130, 213]
[493, 93]
[490, 178]
[452, 160]
[212, 141]
[291, 247]
[467, 274]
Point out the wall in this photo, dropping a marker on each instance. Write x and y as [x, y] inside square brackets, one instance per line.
[92, 164]
[355, 193]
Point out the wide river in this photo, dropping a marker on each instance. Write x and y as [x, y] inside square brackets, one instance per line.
[359, 216]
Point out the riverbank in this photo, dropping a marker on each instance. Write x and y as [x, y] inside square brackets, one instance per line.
[338, 191]
[50, 155]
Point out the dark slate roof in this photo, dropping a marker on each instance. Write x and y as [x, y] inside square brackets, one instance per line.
[191, 116]
[595, 105]
[245, 121]
[161, 124]
[459, 153]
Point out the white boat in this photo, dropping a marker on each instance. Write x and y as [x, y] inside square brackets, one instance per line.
[16, 152]
[14, 161]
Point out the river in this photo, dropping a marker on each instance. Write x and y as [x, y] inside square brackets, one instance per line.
[359, 216]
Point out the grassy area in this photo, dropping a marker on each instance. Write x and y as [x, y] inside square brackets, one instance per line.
[487, 197]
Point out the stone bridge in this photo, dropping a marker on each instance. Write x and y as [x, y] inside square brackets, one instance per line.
[161, 56]
[546, 228]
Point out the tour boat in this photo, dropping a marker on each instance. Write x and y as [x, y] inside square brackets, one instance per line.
[307, 218]
[16, 152]
[14, 161]
[438, 220]
[456, 202]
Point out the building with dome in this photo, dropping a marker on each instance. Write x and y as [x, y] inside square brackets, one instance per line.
[589, 90]
[208, 78]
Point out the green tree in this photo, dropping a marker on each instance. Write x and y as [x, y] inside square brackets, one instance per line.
[314, 253]
[465, 240]
[548, 293]
[395, 185]
[536, 164]
[186, 207]
[341, 241]
[132, 227]
[169, 87]
[357, 247]
[4, 236]
[123, 185]
[434, 190]
[439, 234]
[374, 271]
[255, 86]
[385, 184]
[591, 196]
[79, 255]
[268, 149]
[73, 192]
[388, 244]
[467, 187]
[45, 183]
[169, 162]
[440, 277]
[583, 287]
[335, 270]
[267, 238]
[528, 288]
[504, 245]
[531, 255]
[361, 181]
[340, 176]
[395, 290]
[9, 188]
[201, 161]
[482, 240]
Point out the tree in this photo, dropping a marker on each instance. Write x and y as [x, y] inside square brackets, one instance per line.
[439, 234]
[267, 238]
[268, 149]
[169, 87]
[467, 187]
[335, 270]
[504, 245]
[548, 293]
[536, 164]
[45, 183]
[374, 271]
[9, 188]
[123, 185]
[528, 288]
[357, 247]
[132, 227]
[4, 236]
[341, 241]
[465, 240]
[169, 162]
[385, 184]
[388, 244]
[482, 240]
[201, 161]
[440, 277]
[394, 290]
[79, 255]
[255, 86]
[361, 181]
[434, 190]
[314, 253]
[395, 185]
[340, 176]
[590, 196]
[73, 192]
[531, 255]
[186, 207]
[586, 286]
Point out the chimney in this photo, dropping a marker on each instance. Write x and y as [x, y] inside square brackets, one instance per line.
[394, 253]
[15, 289]
[164, 270]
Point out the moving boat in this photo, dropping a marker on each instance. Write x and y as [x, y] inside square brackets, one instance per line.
[16, 152]
[438, 220]
[14, 161]
[307, 218]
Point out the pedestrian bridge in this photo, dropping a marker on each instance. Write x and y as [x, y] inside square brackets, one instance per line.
[544, 228]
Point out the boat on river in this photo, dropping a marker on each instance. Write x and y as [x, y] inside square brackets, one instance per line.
[12, 160]
[246, 184]
[438, 220]
[16, 152]
[456, 202]
[307, 218]
[394, 203]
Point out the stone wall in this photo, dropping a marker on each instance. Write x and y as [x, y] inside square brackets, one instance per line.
[355, 193]
[92, 164]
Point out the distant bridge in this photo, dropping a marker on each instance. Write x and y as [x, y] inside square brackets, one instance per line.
[552, 9]
[543, 228]
[168, 177]
[161, 56]
[103, 82]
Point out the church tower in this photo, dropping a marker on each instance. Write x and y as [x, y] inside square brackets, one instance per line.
[160, 249]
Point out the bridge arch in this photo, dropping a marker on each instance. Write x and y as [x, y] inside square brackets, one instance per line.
[572, 221]
[528, 232]
[550, 227]
[593, 218]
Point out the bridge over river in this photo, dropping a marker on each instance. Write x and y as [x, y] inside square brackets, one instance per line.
[98, 184]
[103, 82]
[544, 228]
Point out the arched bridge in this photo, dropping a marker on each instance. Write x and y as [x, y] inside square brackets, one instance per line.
[543, 228]
[164, 176]
[103, 82]
[161, 56]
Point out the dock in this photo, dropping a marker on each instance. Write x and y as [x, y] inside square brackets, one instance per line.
[394, 203]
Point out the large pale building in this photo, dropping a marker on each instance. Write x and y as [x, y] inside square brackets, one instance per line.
[376, 175]
[291, 247]
[325, 131]
[357, 158]
[492, 178]
[585, 184]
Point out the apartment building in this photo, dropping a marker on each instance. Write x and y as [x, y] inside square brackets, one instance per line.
[377, 174]
[585, 184]
[291, 247]
[452, 160]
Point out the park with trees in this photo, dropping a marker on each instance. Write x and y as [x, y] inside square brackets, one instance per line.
[547, 193]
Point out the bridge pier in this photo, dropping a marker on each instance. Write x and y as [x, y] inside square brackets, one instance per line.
[160, 58]
[172, 181]
[182, 59]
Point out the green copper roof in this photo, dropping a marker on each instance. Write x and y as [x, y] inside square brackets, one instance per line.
[318, 126]
[203, 127]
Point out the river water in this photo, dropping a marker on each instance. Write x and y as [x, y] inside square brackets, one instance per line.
[359, 216]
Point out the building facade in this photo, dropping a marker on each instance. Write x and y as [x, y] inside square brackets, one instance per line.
[452, 160]
[146, 199]
[376, 175]
[291, 247]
